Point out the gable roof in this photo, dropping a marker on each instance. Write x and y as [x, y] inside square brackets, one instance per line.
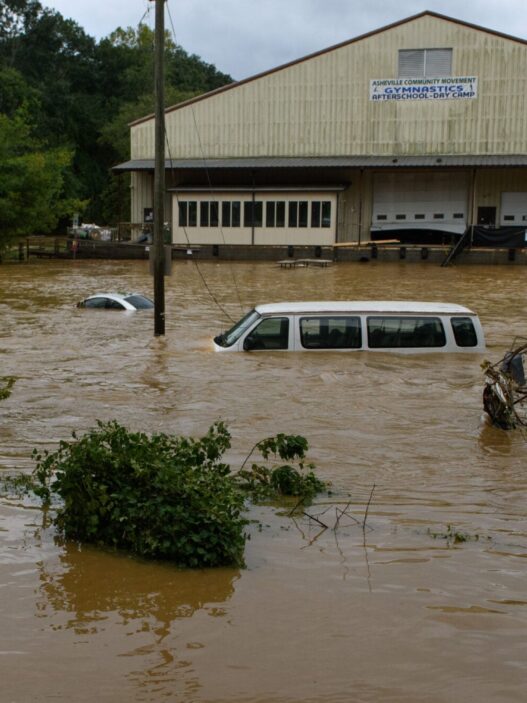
[334, 47]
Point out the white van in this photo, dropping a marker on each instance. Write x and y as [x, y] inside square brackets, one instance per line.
[375, 325]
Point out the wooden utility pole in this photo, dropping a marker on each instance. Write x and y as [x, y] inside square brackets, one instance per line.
[158, 249]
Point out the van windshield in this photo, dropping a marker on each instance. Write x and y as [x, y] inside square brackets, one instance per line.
[227, 339]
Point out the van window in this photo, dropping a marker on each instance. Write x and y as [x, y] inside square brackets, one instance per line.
[271, 333]
[405, 332]
[330, 332]
[464, 332]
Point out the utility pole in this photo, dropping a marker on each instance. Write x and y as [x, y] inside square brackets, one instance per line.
[158, 248]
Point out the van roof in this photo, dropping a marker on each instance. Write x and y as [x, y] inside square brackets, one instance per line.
[364, 306]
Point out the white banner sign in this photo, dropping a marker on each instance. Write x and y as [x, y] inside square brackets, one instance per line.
[461, 88]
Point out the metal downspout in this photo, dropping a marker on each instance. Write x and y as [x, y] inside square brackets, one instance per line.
[360, 204]
[472, 205]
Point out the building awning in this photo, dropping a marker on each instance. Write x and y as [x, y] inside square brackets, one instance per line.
[260, 189]
[365, 162]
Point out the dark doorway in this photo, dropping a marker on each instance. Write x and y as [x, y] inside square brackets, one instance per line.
[486, 215]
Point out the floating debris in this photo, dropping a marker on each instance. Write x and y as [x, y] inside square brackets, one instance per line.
[505, 392]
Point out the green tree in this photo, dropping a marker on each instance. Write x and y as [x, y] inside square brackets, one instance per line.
[15, 92]
[31, 181]
[80, 93]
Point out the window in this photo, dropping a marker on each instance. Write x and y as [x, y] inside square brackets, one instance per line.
[438, 216]
[509, 218]
[326, 213]
[252, 214]
[113, 305]
[230, 213]
[226, 214]
[330, 332]
[425, 63]
[233, 335]
[209, 213]
[139, 302]
[293, 214]
[419, 216]
[405, 332]
[96, 303]
[302, 213]
[299, 212]
[204, 213]
[235, 213]
[315, 213]
[187, 214]
[275, 213]
[400, 217]
[214, 208]
[193, 214]
[458, 216]
[270, 214]
[183, 214]
[464, 332]
[271, 333]
[382, 217]
[321, 214]
[280, 213]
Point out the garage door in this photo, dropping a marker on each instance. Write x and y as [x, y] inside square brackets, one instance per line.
[433, 201]
[513, 209]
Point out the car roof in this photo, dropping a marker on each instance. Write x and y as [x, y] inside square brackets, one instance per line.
[118, 298]
[364, 306]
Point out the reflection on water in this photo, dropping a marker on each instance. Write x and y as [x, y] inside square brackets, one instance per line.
[94, 593]
[393, 612]
[132, 589]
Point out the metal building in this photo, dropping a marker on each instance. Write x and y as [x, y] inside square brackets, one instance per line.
[417, 130]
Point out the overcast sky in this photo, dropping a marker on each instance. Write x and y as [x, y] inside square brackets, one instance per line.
[244, 37]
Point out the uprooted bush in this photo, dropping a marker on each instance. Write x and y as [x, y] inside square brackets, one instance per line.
[263, 482]
[157, 496]
[162, 496]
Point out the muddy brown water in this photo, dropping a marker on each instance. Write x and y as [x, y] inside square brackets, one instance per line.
[392, 614]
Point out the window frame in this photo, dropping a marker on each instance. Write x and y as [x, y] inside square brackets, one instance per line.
[328, 325]
[255, 341]
[426, 320]
[253, 213]
[425, 72]
[459, 333]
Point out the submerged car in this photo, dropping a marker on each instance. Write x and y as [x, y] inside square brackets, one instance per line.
[117, 301]
[379, 325]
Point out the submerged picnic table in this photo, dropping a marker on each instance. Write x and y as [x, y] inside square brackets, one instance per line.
[298, 263]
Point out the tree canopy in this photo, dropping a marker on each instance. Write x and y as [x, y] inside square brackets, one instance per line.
[65, 104]
[32, 180]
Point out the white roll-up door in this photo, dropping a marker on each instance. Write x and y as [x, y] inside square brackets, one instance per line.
[434, 201]
[513, 209]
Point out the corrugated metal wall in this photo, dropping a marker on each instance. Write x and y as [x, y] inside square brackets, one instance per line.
[321, 106]
[142, 187]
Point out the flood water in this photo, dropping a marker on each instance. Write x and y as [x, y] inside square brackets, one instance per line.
[396, 613]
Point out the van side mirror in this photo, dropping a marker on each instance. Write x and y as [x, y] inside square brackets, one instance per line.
[249, 343]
